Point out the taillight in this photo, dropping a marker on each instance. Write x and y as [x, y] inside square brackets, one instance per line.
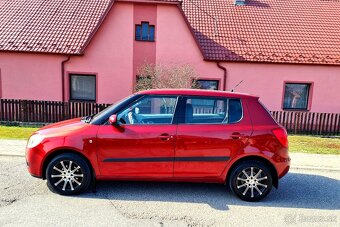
[281, 135]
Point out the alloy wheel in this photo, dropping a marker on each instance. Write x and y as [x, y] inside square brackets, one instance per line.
[67, 175]
[252, 182]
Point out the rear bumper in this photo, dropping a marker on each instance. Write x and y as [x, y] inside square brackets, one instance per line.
[284, 172]
[283, 166]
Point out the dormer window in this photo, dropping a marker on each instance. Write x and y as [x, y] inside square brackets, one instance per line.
[145, 32]
[240, 2]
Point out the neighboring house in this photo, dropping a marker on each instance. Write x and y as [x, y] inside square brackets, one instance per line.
[285, 51]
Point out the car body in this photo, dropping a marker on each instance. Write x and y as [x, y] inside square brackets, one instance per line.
[166, 135]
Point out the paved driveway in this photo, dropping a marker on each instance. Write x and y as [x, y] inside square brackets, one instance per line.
[305, 197]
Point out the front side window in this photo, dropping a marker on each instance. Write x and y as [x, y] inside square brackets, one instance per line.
[207, 84]
[82, 87]
[149, 110]
[212, 111]
[296, 96]
[145, 32]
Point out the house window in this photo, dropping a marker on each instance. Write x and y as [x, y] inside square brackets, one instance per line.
[145, 32]
[207, 84]
[82, 87]
[296, 96]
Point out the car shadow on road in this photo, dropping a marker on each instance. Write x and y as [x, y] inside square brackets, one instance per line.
[296, 190]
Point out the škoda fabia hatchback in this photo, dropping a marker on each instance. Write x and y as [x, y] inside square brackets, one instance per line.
[166, 135]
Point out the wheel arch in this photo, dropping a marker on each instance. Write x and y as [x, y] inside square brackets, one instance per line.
[55, 153]
[257, 158]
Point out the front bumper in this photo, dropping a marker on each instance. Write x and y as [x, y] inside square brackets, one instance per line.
[34, 160]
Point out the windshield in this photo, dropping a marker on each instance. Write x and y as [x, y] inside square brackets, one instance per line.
[105, 114]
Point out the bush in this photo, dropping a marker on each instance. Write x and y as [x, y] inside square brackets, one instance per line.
[159, 76]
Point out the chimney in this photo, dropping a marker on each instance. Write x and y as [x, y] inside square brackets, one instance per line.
[239, 2]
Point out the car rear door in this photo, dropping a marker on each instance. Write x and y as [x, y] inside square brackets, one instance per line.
[142, 144]
[210, 132]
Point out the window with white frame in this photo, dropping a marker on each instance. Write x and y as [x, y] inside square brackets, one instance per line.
[296, 96]
[82, 87]
[207, 84]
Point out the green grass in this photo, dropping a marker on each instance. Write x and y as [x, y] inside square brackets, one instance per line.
[304, 144]
[314, 144]
[11, 132]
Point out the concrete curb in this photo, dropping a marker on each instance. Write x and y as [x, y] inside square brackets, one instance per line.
[314, 168]
[12, 155]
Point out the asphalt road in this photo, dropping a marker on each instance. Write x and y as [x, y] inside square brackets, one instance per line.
[307, 198]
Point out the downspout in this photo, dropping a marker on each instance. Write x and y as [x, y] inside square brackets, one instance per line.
[63, 77]
[224, 75]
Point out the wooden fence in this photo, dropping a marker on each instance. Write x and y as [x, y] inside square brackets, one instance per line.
[12, 110]
[45, 111]
[297, 122]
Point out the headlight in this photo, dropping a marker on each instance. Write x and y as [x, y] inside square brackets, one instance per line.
[34, 140]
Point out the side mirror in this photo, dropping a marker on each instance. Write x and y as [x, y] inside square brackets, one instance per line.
[113, 119]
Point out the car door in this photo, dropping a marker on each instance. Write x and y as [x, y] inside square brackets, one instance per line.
[210, 132]
[142, 143]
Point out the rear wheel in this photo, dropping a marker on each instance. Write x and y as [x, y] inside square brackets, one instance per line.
[68, 174]
[251, 180]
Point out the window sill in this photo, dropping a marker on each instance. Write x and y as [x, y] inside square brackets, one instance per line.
[148, 41]
[80, 100]
[301, 110]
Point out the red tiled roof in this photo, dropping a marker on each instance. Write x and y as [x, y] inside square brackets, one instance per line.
[280, 31]
[49, 25]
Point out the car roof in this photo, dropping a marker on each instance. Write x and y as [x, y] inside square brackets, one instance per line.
[196, 92]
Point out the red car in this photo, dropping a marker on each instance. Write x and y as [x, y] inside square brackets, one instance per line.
[166, 135]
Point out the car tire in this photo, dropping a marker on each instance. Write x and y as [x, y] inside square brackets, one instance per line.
[251, 180]
[68, 174]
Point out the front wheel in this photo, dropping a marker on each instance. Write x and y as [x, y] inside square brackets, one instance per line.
[251, 180]
[68, 174]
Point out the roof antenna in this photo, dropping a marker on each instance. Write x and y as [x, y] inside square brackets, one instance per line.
[232, 90]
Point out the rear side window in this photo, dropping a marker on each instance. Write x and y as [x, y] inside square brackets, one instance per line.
[201, 110]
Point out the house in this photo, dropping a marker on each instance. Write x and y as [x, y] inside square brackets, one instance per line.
[285, 51]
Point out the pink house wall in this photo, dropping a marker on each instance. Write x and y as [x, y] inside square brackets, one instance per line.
[144, 51]
[109, 56]
[114, 56]
[267, 81]
[176, 45]
[30, 76]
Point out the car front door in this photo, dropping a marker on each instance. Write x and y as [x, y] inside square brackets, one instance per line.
[142, 143]
[209, 133]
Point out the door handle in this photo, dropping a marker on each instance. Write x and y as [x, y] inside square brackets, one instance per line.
[237, 136]
[165, 137]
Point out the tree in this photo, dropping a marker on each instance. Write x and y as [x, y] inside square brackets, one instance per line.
[151, 76]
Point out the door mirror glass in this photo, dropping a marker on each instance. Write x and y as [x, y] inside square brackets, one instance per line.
[113, 119]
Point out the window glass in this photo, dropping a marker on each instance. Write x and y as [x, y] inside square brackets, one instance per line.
[138, 32]
[145, 31]
[83, 87]
[149, 110]
[212, 111]
[207, 84]
[234, 111]
[152, 33]
[296, 96]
